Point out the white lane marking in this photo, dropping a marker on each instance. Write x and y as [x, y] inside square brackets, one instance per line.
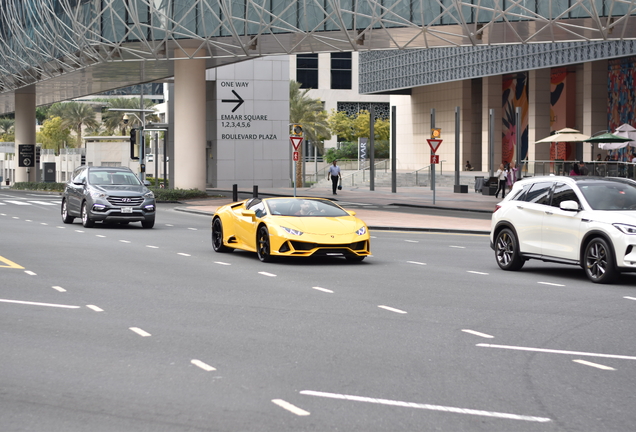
[291, 408]
[594, 365]
[193, 229]
[183, 254]
[551, 284]
[15, 217]
[323, 290]
[449, 409]
[411, 241]
[101, 236]
[39, 304]
[629, 298]
[221, 263]
[416, 262]
[476, 272]
[458, 247]
[169, 225]
[17, 202]
[43, 223]
[125, 241]
[30, 273]
[59, 288]
[552, 351]
[60, 227]
[372, 237]
[79, 231]
[95, 308]
[28, 220]
[204, 366]
[139, 331]
[392, 309]
[476, 333]
[48, 203]
[267, 274]
[152, 247]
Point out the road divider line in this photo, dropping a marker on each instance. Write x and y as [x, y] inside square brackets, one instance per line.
[221, 263]
[79, 231]
[152, 247]
[100, 236]
[551, 284]
[267, 274]
[30, 273]
[43, 223]
[39, 304]
[416, 262]
[58, 288]
[476, 333]
[476, 272]
[389, 308]
[458, 247]
[411, 241]
[125, 241]
[10, 264]
[448, 409]
[594, 365]
[183, 254]
[206, 367]
[553, 351]
[193, 229]
[629, 298]
[95, 308]
[291, 408]
[323, 290]
[139, 331]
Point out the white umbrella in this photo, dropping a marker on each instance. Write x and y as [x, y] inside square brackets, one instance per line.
[565, 135]
[623, 130]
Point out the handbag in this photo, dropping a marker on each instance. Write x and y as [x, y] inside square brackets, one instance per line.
[340, 184]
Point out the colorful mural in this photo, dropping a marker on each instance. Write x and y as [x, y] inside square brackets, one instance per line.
[562, 110]
[515, 94]
[621, 100]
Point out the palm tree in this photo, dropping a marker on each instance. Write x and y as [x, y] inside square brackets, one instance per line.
[6, 125]
[75, 116]
[311, 115]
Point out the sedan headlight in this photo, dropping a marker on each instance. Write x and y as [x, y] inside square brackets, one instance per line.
[626, 229]
[292, 231]
[149, 195]
[362, 231]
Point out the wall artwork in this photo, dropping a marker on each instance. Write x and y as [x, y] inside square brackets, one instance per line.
[514, 94]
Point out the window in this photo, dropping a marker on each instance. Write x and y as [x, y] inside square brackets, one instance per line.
[341, 71]
[307, 70]
[539, 193]
[563, 192]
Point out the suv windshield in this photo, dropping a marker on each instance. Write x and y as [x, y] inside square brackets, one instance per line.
[112, 177]
[606, 195]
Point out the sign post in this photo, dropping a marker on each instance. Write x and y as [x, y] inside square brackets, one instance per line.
[296, 140]
[434, 143]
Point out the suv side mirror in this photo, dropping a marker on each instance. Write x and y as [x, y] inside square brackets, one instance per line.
[569, 206]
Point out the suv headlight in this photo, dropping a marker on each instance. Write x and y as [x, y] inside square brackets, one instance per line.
[362, 231]
[98, 194]
[149, 195]
[626, 229]
[292, 231]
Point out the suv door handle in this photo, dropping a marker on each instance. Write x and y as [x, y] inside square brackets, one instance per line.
[548, 212]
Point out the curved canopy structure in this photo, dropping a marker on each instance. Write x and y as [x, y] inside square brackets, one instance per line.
[70, 48]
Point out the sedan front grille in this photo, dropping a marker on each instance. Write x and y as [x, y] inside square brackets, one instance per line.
[125, 201]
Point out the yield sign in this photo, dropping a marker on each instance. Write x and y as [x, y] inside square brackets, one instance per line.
[434, 144]
[296, 141]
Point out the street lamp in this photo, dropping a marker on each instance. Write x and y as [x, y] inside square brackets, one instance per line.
[142, 120]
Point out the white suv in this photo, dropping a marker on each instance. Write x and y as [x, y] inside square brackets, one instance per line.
[585, 221]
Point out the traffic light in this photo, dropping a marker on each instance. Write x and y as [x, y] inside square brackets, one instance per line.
[134, 146]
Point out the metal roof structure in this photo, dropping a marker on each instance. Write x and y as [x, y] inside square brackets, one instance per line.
[72, 48]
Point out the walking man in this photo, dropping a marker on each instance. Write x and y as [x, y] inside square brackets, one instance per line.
[334, 172]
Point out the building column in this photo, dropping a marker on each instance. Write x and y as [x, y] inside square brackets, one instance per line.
[189, 123]
[491, 99]
[24, 129]
[538, 114]
[594, 104]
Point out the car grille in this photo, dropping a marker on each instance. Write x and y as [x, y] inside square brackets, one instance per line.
[125, 201]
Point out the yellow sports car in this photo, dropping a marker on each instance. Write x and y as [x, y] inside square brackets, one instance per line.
[274, 227]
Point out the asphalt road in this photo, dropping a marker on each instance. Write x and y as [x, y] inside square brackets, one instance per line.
[126, 329]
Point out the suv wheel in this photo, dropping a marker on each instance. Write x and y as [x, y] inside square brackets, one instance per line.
[86, 219]
[599, 262]
[65, 216]
[507, 250]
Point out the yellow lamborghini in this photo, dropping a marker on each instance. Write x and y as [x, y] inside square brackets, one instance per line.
[274, 227]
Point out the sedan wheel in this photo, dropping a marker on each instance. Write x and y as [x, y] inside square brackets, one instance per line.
[599, 262]
[86, 219]
[65, 216]
[217, 237]
[507, 251]
[263, 245]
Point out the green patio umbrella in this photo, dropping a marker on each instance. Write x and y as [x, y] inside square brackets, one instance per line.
[608, 141]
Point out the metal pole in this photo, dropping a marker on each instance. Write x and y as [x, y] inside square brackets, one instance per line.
[156, 147]
[372, 148]
[457, 162]
[433, 165]
[142, 147]
[165, 159]
[491, 141]
[393, 150]
[518, 143]
[235, 192]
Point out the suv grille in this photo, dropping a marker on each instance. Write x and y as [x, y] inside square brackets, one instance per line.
[125, 201]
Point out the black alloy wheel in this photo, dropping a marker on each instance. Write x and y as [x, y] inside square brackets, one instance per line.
[217, 237]
[507, 251]
[86, 219]
[599, 262]
[65, 216]
[263, 244]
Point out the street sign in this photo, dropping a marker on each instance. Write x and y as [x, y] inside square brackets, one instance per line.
[436, 133]
[296, 141]
[26, 154]
[434, 159]
[295, 156]
[434, 144]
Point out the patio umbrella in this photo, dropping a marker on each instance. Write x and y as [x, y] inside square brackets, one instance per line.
[625, 131]
[565, 135]
[608, 141]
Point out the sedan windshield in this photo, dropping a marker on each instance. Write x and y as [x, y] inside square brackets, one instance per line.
[303, 207]
[607, 195]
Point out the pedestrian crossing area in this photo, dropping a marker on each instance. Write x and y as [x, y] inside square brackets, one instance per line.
[6, 202]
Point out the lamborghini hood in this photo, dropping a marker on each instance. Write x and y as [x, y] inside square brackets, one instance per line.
[322, 225]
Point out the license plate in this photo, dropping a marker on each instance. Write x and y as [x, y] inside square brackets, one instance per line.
[126, 209]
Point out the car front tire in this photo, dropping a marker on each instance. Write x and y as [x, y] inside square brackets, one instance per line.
[507, 251]
[147, 223]
[217, 236]
[65, 216]
[263, 245]
[86, 219]
[599, 262]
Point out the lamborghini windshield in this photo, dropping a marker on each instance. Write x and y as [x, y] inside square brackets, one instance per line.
[303, 207]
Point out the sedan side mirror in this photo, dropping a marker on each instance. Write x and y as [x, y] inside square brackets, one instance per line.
[569, 206]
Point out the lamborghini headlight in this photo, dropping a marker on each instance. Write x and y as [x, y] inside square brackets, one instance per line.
[362, 231]
[292, 231]
[626, 229]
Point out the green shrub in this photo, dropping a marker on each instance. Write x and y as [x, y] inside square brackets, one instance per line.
[37, 186]
[161, 180]
[172, 195]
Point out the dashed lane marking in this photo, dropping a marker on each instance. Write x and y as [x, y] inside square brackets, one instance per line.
[267, 274]
[58, 288]
[416, 262]
[594, 365]
[125, 241]
[30, 273]
[551, 284]
[553, 351]
[39, 304]
[152, 247]
[323, 290]
[291, 408]
[139, 331]
[390, 309]
[206, 367]
[476, 333]
[411, 241]
[222, 263]
[448, 409]
[9, 264]
[629, 298]
[476, 272]
[458, 247]
[183, 254]
[95, 308]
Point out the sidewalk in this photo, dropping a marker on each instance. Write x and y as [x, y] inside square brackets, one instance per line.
[382, 209]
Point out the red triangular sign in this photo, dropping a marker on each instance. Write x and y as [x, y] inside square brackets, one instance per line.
[434, 144]
[296, 141]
